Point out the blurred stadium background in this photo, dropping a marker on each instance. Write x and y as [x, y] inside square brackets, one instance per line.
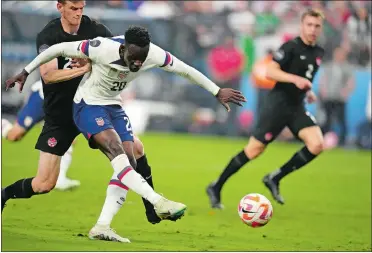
[160, 101]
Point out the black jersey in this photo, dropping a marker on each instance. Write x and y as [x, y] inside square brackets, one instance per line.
[58, 97]
[295, 57]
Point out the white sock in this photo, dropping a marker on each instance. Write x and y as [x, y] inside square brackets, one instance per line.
[115, 197]
[65, 164]
[129, 177]
[5, 127]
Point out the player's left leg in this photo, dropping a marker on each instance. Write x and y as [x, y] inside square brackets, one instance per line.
[144, 169]
[304, 126]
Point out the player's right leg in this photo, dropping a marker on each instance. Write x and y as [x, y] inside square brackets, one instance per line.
[271, 122]
[110, 144]
[30, 114]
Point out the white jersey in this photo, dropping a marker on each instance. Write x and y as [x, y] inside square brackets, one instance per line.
[109, 76]
[38, 87]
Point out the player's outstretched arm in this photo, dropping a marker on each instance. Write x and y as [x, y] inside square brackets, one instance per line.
[224, 95]
[67, 49]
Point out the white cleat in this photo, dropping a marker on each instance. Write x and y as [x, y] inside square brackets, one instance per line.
[66, 184]
[167, 209]
[105, 233]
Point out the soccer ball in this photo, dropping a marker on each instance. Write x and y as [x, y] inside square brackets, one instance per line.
[255, 210]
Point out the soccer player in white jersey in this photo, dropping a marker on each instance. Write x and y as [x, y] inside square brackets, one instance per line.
[99, 116]
[31, 114]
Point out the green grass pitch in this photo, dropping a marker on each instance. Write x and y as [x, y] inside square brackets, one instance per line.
[328, 203]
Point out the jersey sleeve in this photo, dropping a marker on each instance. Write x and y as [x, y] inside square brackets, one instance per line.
[76, 49]
[284, 54]
[90, 48]
[170, 63]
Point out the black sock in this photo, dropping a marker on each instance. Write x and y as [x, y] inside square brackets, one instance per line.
[235, 164]
[299, 159]
[144, 169]
[22, 189]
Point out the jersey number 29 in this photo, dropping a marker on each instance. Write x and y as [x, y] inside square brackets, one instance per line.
[118, 86]
[309, 72]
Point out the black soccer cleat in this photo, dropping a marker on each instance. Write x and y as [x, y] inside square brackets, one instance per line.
[3, 200]
[273, 186]
[214, 197]
[152, 217]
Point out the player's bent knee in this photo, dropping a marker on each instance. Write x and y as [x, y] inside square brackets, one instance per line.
[313, 139]
[254, 148]
[47, 187]
[138, 149]
[43, 186]
[315, 147]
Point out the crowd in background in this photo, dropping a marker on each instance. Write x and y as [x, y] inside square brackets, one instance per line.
[348, 23]
[246, 31]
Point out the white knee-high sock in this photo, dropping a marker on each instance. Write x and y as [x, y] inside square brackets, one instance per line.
[116, 195]
[129, 177]
[65, 164]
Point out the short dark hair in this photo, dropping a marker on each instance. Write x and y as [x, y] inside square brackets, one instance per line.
[312, 13]
[64, 1]
[137, 35]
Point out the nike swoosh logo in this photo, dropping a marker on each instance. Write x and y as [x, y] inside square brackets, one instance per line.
[245, 211]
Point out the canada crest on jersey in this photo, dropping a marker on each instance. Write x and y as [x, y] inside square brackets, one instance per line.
[52, 142]
[318, 60]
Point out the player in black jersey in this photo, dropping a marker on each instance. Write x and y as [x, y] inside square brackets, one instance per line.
[61, 78]
[294, 66]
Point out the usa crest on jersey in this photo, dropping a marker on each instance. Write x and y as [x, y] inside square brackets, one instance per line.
[123, 74]
[100, 121]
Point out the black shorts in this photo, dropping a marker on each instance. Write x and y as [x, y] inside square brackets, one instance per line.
[276, 114]
[56, 139]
